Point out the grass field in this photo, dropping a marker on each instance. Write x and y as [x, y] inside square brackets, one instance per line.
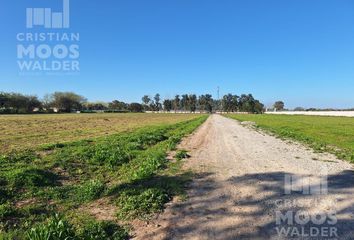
[332, 134]
[92, 188]
[28, 131]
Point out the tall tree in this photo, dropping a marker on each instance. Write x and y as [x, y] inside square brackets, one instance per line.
[18, 103]
[4, 99]
[192, 102]
[67, 101]
[230, 103]
[234, 103]
[209, 103]
[279, 105]
[176, 103]
[146, 100]
[185, 102]
[135, 107]
[217, 104]
[227, 102]
[258, 107]
[206, 103]
[118, 105]
[201, 103]
[157, 102]
[167, 105]
[32, 102]
[247, 103]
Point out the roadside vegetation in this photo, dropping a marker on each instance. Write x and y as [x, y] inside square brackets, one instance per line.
[53, 191]
[330, 134]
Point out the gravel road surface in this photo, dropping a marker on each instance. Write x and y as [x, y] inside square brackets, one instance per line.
[250, 185]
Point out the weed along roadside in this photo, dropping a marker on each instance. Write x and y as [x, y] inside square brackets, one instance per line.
[50, 191]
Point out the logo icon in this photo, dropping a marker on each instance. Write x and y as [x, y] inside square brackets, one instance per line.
[53, 50]
[308, 185]
[45, 17]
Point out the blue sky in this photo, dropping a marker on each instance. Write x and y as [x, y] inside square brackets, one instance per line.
[299, 51]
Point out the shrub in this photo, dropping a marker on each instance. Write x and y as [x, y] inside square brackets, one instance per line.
[172, 142]
[110, 155]
[21, 156]
[103, 230]
[90, 190]
[181, 154]
[151, 138]
[12, 234]
[52, 146]
[149, 163]
[141, 202]
[148, 137]
[352, 157]
[93, 231]
[62, 192]
[103, 153]
[31, 177]
[56, 228]
[4, 195]
[6, 210]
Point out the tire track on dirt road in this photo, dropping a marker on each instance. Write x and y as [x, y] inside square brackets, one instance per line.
[239, 188]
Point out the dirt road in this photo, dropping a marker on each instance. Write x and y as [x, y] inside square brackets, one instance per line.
[246, 181]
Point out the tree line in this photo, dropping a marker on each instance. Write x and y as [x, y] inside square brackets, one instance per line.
[203, 103]
[66, 102]
[71, 102]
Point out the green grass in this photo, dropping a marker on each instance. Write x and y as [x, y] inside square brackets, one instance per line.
[129, 169]
[59, 228]
[330, 134]
[34, 130]
[140, 202]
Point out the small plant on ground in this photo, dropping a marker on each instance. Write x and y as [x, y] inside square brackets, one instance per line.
[30, 177]
[181, 154]
[6, 210]
[90, 190]
[103, 230]
[141, 202]
[56, 228]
